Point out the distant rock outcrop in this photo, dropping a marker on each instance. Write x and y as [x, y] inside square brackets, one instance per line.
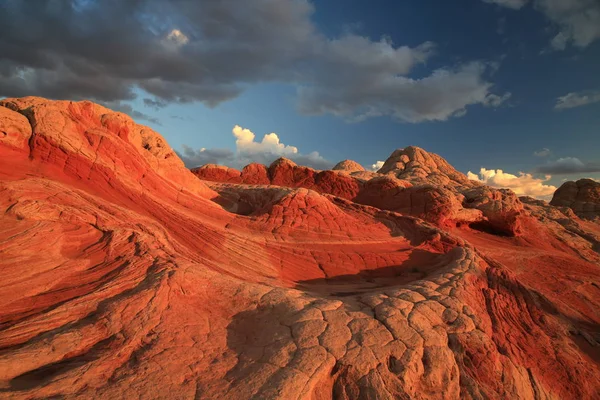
[218, 173]
[284, 172]
[583, 197]
[255, 174]
[349, 166]
[411, 181]
[415, 164]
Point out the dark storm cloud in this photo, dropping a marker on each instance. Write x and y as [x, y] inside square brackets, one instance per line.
[568, 165]
[101, 49]
[211, 51]
[313, 160]
[195, 158]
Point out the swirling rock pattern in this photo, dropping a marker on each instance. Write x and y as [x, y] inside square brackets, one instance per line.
[126, 276]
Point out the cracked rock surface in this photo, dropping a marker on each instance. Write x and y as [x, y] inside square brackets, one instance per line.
[126, 276]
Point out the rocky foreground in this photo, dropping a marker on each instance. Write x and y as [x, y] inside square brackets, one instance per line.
[124, 275]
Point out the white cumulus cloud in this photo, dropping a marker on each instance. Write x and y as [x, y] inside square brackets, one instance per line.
[248, 150]
[270, 144]
[577, 99]
[522, 184]
[377, 166]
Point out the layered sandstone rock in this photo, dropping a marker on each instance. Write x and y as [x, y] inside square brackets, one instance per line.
[348, 166]
[583, 197]
[255, 174]
[415, 164]
[411, 182]
[91, 142]
[15, 130]
[284, 172]
[126, 276]
[218, 173]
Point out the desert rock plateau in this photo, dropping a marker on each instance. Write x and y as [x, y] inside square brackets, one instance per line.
[126, 275]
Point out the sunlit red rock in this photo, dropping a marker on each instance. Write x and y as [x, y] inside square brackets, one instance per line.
[256, 174]
[348, 166]
[218, 173]
[414, 163]
[411, 182]
[126, 276]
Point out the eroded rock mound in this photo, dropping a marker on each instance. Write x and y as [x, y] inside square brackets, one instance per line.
[349, 166]
[286, 173]
[255, 174]
[126, 276]
[411, 182]
[218, 173]
[583, 197]
[414, 163]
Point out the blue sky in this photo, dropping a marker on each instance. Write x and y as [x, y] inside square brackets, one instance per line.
[346, 79]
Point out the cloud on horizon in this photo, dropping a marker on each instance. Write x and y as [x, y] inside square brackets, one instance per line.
[568, 165]
[377, 166]
[211, 51]
[248, 150]
[522, 184]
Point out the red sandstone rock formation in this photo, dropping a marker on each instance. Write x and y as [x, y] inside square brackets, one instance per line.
[583, 197]
[415, 164]
[411, 182]
[255, 174]
[218, 173]
[284, 172]
[126, 276]
[348, 166]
